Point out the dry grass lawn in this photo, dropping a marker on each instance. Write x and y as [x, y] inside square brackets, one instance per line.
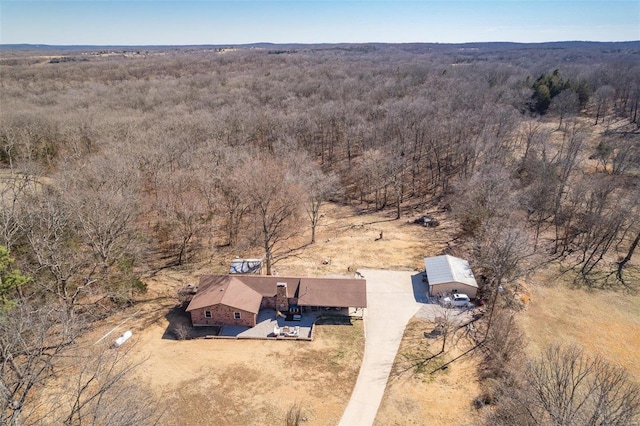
[349, 240]
[603, 322]
[251, 382]
[414, 396]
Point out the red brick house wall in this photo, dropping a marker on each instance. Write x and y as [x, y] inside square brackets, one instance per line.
[282, 301]
[222, 315]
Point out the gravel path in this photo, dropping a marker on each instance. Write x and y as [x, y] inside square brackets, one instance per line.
[393, 298]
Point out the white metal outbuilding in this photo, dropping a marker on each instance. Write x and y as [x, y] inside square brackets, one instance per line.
[448, 274]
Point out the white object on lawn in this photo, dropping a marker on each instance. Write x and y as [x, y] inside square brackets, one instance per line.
[120, 340]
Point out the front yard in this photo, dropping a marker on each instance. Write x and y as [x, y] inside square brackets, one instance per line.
[413, 394]
[252, 382]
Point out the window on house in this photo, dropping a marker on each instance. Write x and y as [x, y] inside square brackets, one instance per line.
[236, 315]
[207, 314]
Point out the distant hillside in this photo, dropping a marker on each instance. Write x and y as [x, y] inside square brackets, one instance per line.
[416, 47]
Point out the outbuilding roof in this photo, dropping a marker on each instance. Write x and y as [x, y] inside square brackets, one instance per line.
[447, 269]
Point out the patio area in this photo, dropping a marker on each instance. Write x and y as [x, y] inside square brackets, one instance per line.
[267, 321]
[266, 324]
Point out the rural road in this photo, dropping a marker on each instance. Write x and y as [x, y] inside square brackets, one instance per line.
[391, 304]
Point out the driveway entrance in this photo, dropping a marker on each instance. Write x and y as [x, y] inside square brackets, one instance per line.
[393, 298]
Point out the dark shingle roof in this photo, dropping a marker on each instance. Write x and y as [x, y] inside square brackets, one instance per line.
[332, 292]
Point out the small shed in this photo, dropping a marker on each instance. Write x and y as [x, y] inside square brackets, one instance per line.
[448, 274]
[246, 266]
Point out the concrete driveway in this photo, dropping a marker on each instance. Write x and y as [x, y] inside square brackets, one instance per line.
[393, 297]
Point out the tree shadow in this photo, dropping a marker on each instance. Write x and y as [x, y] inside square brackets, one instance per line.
[327, 319]
[180, 328]
[380, 221]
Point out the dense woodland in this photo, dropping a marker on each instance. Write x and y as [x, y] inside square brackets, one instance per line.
[118, 161]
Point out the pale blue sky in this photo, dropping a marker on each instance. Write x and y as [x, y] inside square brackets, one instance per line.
[315, 21]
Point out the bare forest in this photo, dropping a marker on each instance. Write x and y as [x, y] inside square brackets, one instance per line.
[117, 163]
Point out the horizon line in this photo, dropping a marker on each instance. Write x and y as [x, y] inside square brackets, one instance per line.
[315, 43]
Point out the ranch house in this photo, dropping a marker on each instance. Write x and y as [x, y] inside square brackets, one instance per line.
[237, 299]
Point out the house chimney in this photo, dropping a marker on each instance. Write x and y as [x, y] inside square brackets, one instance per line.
[282, 299]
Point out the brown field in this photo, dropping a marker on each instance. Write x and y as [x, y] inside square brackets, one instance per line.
[603, 322]
[347, 238]
[413, 394]
[252, 382]
[256, 382]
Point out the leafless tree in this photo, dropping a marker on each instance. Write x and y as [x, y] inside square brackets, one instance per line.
[15, 186]
[534, 138]
[622, 263]
[617, 154]
[319, 187]
[184, 209]
[103, 195]
[488, 196]
[566, 386]
[447, 332]
[504, 347]
[275, 196]
[57, 262]
[567, 160]
[603, 97]
[10, 136]
[33, 337]
[503, 350]
[372, 178]
[103, 390]
[48, 378]
[28, 137]
[601, 224]
[230, 197]
[502, 251]
[394, 169]
[538, 197]
[565, 104]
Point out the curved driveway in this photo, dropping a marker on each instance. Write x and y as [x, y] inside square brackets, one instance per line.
[392, 299]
